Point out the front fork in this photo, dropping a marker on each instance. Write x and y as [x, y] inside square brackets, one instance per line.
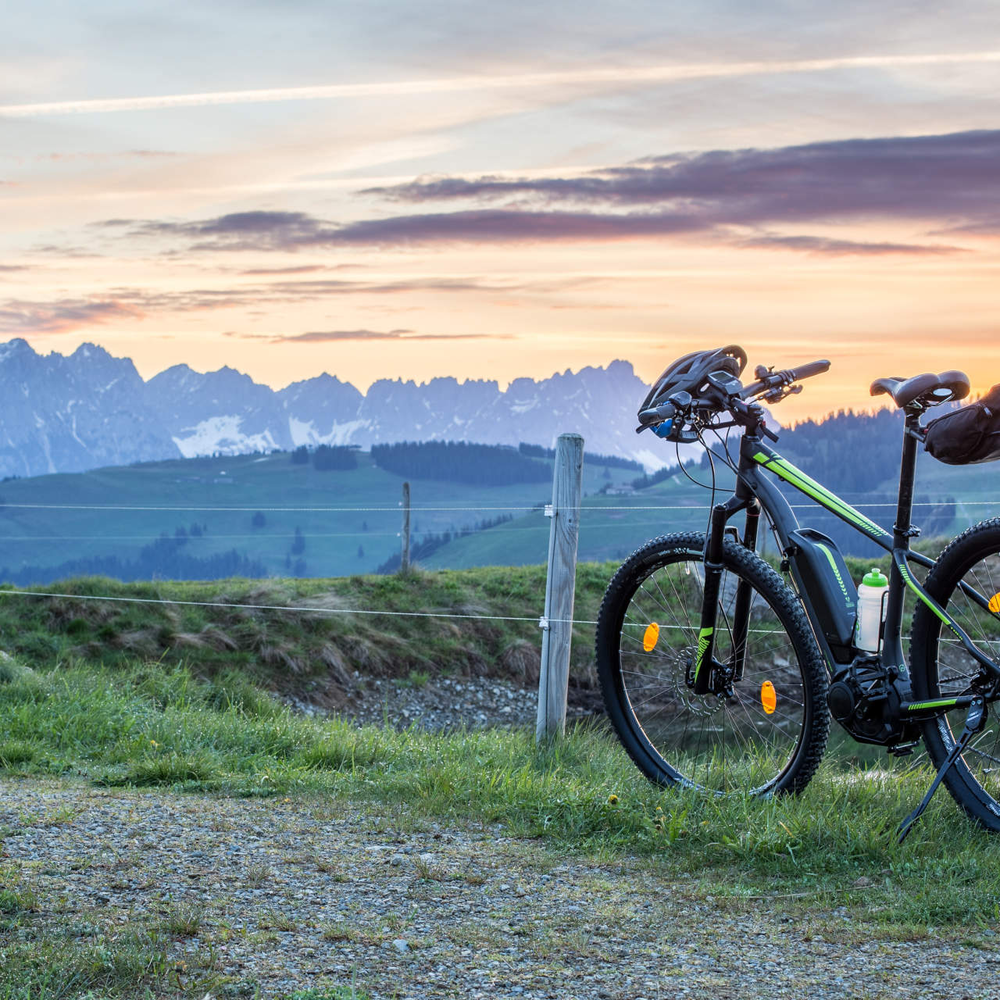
[705, 666]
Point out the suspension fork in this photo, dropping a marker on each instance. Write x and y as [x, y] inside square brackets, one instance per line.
[744, 594]
[704, 663]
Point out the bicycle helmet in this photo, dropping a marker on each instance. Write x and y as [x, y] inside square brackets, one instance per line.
[689, 373]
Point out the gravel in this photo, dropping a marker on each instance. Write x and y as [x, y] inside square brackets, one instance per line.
[275, 896]
[439, 704]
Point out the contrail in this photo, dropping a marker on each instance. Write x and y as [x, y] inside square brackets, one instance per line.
[624, 75]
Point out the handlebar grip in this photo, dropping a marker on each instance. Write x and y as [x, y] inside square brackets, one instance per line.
[807, 370]
[657, 413]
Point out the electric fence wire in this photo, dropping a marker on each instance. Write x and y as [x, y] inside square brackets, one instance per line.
[537, 508]
[311, 609]
[527, 509]
[290, 608]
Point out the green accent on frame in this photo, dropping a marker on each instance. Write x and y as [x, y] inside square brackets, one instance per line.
[912, 584]
[819, 493]
[851, 603]
[917, 706]
[703, 640]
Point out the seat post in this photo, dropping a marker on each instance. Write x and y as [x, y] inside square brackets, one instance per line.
[892, 647]
[901, 530]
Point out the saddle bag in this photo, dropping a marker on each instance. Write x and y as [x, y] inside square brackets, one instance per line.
[967, 435]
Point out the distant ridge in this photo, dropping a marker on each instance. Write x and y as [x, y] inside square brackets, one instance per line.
[89, 409]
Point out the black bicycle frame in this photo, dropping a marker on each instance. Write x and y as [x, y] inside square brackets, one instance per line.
[754, 491]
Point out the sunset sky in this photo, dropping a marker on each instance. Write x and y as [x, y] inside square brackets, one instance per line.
[495, 190]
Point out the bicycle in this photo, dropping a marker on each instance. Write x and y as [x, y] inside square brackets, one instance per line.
[718, 676]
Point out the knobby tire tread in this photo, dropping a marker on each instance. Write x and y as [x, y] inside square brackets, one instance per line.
[965, 550]
[742, 562]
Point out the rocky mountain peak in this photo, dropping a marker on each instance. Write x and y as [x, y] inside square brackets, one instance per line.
[69, 413]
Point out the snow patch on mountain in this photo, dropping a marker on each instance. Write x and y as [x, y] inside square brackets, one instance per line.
[304, 432]
[221, 435]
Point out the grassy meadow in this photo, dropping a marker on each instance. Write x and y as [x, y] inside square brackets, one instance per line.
[243, 503]
[187, 698]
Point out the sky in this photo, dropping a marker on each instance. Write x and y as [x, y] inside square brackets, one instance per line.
[409, 190]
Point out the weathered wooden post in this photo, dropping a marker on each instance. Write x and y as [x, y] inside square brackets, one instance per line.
[404, 556]
[560, 586]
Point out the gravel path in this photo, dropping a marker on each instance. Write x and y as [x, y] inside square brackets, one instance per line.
[284, 895]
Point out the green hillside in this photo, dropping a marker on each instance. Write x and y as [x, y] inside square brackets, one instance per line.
[264, 515]
[611, 526]
[348, 521]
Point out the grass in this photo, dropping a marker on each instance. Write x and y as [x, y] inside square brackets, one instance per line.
[199, 718]
[119, 727]
[243, 649]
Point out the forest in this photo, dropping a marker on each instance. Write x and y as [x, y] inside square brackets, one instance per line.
[460, 462]
[163, 559]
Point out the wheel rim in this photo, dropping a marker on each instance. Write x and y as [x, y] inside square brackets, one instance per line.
[716, 743]
[955, 671]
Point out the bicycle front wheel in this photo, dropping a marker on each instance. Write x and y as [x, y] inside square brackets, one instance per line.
[766, 732]
[965, 581]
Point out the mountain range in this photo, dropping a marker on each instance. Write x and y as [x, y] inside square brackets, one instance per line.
[70, 413]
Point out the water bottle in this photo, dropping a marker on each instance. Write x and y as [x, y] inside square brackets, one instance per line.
[870, 606]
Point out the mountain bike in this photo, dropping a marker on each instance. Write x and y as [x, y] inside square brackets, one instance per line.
[719, 676]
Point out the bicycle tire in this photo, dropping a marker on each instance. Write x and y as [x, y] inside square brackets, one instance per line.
[713, 743]
[940, 667]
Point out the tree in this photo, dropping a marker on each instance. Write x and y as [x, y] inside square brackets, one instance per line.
[361, 552]
[326, 458]
[300, 456]
[258, 520]
[299, 543]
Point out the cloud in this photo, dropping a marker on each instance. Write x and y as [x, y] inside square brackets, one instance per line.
[844, 248]
[327, 336]
[950, 182]
[62, 316]
[603, 77]
[912, 177]
[260, 230]
[291, 231]
[303, 269]
[128, 154]
[14, 267]
[333, 286]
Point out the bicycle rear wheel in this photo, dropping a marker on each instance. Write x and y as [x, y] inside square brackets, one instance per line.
[941, 667]
[767, 732]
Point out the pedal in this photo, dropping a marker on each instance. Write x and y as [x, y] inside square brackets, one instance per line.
[974, 723]
[903, 749]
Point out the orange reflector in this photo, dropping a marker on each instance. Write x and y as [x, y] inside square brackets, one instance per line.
[994, 604]
[650, 637]
[768, 698]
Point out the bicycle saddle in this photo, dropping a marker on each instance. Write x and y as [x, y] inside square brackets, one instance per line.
[928, 389]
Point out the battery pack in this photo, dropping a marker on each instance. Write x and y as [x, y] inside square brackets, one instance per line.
[822, 577]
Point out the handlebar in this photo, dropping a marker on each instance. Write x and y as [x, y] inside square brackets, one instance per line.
[720, 395]
[655, 414]
[810, 369]
[774, 380]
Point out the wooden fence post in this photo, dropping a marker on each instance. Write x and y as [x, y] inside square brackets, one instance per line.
[404, 556]
[560, 586]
